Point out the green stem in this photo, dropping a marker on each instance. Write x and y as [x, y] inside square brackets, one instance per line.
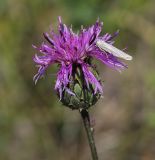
[89, 130]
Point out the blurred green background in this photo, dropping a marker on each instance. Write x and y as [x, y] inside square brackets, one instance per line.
[33, 123]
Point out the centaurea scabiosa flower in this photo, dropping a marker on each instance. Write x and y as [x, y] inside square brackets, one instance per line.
[78, 84]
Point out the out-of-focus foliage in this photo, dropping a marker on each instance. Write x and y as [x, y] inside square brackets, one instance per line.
[33, 123]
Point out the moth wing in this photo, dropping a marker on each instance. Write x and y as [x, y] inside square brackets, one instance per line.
[113, 50]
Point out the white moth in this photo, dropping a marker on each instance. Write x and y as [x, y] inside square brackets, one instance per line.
[113, 50]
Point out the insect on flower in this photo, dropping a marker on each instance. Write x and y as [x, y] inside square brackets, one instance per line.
[113, 50]
[78, 83]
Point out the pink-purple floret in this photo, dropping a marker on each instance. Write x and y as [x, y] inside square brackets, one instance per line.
[67, 48]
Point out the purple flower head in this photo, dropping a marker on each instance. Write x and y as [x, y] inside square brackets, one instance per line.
[69, 49]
